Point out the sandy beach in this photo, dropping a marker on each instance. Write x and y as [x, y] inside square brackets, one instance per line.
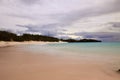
[6, 44]
[23, 65]
[59, 39]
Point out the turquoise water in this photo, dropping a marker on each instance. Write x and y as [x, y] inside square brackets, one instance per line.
[104, 48]
[105, 55]
[105, 52]
[113, 47]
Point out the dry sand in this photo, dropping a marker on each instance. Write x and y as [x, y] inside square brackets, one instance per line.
[7, 44]
[21, 65]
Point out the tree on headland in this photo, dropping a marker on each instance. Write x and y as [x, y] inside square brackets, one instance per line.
[81, 40]
[8, 36]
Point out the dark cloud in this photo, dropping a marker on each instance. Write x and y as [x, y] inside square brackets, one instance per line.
[104, 36]
[31, 2]
[116, 4]
[73, 16]
[49, 29]
[115, 24]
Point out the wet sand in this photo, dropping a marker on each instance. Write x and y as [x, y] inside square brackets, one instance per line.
[23, 65]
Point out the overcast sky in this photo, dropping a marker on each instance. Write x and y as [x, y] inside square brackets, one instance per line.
[98, 19]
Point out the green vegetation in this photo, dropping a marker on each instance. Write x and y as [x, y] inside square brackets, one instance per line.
[8, 36]
[81, 40]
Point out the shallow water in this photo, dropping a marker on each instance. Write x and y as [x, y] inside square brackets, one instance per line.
[106, 52]
[100, 49]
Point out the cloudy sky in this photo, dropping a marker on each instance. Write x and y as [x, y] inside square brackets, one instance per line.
[98, 19]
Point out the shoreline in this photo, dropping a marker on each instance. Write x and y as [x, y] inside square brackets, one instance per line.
[17, 64]
[8, 44]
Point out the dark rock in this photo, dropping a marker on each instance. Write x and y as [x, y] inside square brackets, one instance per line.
[118, 70]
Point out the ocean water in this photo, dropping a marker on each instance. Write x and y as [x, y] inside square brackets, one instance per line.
[104, 49]
[107, 53]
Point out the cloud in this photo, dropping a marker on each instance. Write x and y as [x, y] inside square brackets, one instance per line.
[49, 29]
[104, 36]
[73, 16]
[30, 2]
[60, 17]
[67, 15]
[115, 24]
